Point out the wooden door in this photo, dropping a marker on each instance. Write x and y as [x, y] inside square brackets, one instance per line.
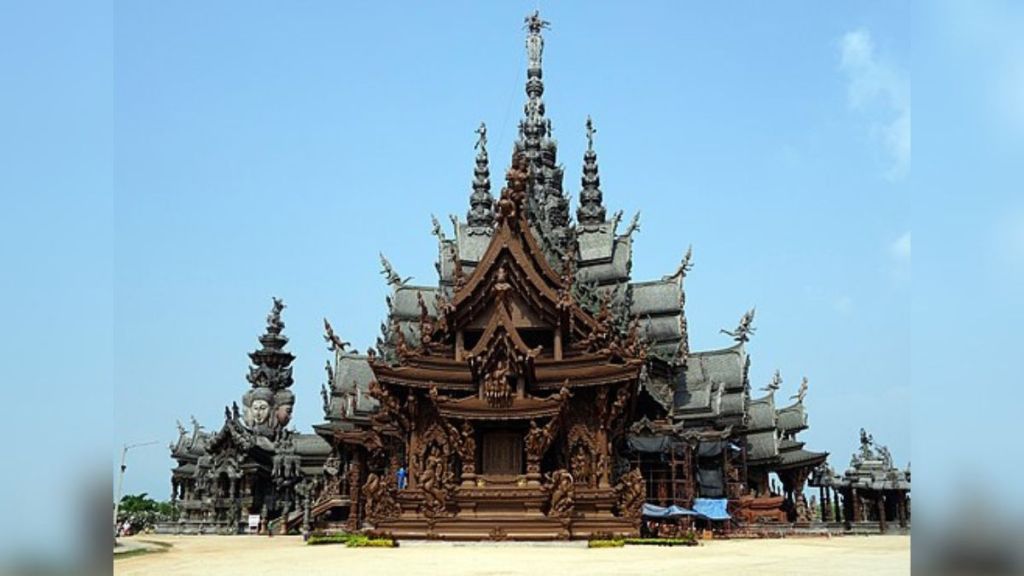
[502, 453]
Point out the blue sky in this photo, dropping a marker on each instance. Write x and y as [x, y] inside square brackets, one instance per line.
[272, 149]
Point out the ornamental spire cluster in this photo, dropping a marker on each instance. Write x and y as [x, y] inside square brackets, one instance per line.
[591, 210]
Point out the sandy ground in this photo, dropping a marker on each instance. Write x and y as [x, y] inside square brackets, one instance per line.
[252, 555]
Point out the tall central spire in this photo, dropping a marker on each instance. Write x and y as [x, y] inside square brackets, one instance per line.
[547, 207]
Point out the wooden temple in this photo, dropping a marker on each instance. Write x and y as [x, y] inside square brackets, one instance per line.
[536, 391]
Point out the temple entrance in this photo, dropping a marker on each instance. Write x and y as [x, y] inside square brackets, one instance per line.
[502, 453]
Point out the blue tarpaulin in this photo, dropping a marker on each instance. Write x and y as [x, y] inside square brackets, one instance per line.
[711, 508]
[652, 511]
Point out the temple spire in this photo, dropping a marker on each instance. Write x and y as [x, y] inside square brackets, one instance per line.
[591, 210]
[481, 203]
[547, 208]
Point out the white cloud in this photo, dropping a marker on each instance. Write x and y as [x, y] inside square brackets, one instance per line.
[878, 88]
[900, 248]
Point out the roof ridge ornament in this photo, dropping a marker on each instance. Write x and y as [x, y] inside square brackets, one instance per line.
[334, 343]
[634, 225]
[685, 265]
[745, 329]
[775, 383]
[388, 271]
[802, 393]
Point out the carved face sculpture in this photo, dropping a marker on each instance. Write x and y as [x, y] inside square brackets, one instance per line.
[259, 411]
[283, 415]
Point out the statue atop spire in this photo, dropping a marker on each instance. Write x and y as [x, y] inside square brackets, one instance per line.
[481, 211]
[481, 142]
[591, 210]
[534, 41]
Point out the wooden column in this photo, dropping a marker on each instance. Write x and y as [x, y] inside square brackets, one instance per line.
[855, 507]
[355, 484]
[823, 502]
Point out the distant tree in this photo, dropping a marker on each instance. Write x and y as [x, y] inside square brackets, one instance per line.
[142, 512]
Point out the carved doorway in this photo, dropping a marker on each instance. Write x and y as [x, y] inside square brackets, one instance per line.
[502, 453]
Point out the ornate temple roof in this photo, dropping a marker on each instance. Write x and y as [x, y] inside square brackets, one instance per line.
[707, 389]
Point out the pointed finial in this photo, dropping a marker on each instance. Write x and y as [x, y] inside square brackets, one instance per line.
[591, 210]
[481, 203]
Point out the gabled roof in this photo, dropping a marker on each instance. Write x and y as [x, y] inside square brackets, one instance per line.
[514, 246]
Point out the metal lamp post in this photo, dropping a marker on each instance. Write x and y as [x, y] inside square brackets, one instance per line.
[120, 479]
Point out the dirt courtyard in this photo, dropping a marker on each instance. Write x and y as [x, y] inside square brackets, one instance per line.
[252, 555]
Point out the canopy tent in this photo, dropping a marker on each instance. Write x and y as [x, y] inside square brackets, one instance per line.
[711, 508]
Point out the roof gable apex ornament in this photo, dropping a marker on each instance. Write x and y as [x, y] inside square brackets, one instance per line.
[775, 383]
[634, 226]
[684, 266]
[802, 393]
[334, 343]
[616, 219]
[436, 229]
[388, 271]
[745, 329]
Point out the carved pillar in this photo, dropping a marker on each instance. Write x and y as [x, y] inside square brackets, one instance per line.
[468, 454]
[883, 525]
[855, 507]
[355, 489]
[604, 458]
[690, 492]
[558, 343]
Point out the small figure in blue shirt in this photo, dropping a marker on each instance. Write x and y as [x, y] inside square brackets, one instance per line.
[403, 477]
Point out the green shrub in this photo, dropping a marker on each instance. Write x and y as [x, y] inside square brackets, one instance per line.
[605, 543]
[362, 541]
[316, 539]
[688, 540]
